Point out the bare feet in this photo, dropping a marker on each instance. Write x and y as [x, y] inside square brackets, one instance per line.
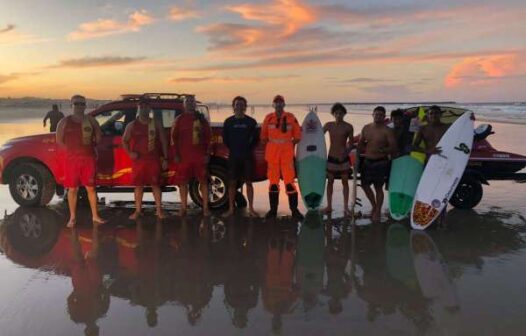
[327, 210]
[72, 222]
[252, 213]
[161, 214]
[99, 221]
[135, 215]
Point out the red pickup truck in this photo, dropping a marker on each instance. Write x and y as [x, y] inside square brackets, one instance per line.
[33, 165]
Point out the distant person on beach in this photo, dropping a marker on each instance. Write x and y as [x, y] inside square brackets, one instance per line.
[191, 136]
[240, 135]
[79, 135]
[54, 117]
[281, 132]
[341, 134]
[431, 133]
[377, 143]
[404, 139]
[145, 142]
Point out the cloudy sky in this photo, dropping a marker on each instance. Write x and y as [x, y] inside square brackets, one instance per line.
[309, 51]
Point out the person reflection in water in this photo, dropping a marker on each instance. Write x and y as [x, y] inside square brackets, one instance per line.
[147, 291]
[337, 256]
[192, 285]
[242, 280]
[278, 290]
[89, 300]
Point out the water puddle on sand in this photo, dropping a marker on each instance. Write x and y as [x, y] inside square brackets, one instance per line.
[201, 276]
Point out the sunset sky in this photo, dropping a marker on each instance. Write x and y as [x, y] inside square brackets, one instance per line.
[309, 51]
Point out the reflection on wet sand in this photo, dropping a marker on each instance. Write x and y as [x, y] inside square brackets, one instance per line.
[312, 269]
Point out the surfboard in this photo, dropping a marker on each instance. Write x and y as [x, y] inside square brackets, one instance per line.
[431, 271]
[403, 181]
[311, 161]
[310, 257]
[398, 256]
[443, 172]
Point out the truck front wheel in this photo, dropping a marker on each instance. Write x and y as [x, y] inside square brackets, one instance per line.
[468, 193]
[217, 188]
[31, 184]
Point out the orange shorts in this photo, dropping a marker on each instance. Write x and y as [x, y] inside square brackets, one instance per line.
[146, 172]
[79, 171]
[191, 169]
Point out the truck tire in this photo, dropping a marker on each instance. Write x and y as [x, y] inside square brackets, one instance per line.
[218, 190]
[33, 231]
[468, 193]
[31, 185]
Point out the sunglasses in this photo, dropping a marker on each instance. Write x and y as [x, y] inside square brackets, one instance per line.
[79, 104]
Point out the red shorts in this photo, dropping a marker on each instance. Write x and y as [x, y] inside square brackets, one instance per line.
[190, 169]
[79, 171]
[146, 172]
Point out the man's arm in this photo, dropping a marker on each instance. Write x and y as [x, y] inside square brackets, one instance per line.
[96, 129]
[296, 131]
[362, 142]
[60, 132]
[173, 139]
[226, 133]
[162, 138]
[350, 143]
[264, 131]
[126, 141]
[48, 115]
[255, 135]
[392, 147]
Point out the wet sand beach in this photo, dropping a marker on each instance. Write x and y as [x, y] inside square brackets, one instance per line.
[199, 276]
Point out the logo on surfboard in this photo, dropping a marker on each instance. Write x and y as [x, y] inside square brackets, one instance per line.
[311, 126]
[463, 148]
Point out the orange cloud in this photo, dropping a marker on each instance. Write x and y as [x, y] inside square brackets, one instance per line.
[105, 61]
[7, 28]
[10, 35]
[105, 27]
[291, 15]
[228, 79]
[477, 70]
[180, 14]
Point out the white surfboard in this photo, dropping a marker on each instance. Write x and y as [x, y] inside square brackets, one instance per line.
[311, 161]
[443, 172]
[431, 270]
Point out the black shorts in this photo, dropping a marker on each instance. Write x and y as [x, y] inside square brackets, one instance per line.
[241, 169]
[338, 167]
[375, 171]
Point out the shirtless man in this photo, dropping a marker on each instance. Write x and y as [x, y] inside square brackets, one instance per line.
[431, 133]
[377, 142]
[54, 117]
[341, 134]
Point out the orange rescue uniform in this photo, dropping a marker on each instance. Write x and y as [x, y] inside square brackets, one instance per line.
[279, 152]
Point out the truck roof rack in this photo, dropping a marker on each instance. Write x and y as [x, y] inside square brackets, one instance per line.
[155, 96]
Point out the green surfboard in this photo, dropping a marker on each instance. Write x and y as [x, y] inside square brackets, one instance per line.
[403, 181]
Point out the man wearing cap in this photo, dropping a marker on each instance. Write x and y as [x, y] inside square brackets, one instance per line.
[280, 132]
[190, 137]
[144, 141]
[79, 134]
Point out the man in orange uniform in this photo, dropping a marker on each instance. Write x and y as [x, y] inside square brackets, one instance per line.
[144, 141]
[78, 134]
[280, 132]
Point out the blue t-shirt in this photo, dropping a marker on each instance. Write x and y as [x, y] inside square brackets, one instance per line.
[240, 135]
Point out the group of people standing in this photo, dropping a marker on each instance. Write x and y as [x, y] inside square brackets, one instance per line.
[145, 142]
